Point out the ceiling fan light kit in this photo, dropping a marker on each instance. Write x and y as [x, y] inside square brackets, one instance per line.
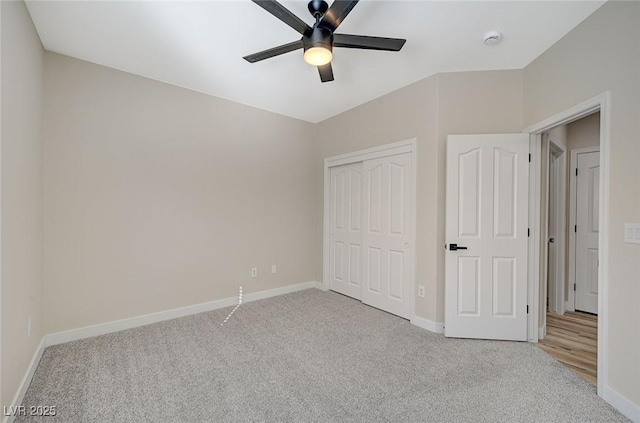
[318, 56]
[318, 47]
[318, 41]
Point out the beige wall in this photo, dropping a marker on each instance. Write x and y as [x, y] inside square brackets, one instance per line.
[472, 103]
[584, 132]
[600, 54]
[428, 110]
[158, 197]
[21, 215]
[410, 112]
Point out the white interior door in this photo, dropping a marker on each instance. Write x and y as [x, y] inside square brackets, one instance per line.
[387, 233]
[346, 230]
[486, 213]
[587, 221]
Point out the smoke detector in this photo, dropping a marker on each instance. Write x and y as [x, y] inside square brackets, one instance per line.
[492, 37]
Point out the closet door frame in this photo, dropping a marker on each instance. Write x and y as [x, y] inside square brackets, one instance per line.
[407, 146]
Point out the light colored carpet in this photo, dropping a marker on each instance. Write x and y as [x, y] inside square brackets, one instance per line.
[310, 356]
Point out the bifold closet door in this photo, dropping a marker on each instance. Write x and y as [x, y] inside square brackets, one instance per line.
[345, 262]
[386, 233]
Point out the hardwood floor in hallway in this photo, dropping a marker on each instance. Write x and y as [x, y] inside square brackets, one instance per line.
[572, 339]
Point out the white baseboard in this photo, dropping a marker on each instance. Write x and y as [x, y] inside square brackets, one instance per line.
[26, 380]
[118, 325]
[622, 404]
[431, 326]
[542, 332]
[147, 319]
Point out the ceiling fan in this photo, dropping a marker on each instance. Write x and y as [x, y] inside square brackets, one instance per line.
[318, 41]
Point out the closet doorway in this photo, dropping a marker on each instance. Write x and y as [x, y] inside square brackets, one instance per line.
[369, 223]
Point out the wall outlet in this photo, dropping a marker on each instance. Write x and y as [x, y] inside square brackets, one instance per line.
[420, 291]
[254, 272]
[274, 269]
[29, 327]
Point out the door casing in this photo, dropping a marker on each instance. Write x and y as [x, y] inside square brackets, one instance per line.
[600, 103]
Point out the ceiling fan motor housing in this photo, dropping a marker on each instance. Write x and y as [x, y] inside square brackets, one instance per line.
[320, 37]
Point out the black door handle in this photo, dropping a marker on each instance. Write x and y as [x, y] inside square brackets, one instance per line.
[455, 247]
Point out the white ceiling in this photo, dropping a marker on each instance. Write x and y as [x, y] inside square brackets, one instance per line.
[199, 45]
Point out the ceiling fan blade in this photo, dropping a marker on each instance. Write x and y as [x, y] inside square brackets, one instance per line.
[282, 13]
[367, 43]
[337, 12]
[326, 72]
[272, 52]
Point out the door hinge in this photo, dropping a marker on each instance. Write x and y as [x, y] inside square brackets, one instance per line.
[575, 228]
[528, 232]
[527, 308]
[574, 286]
[529, 157]
[576, 171]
